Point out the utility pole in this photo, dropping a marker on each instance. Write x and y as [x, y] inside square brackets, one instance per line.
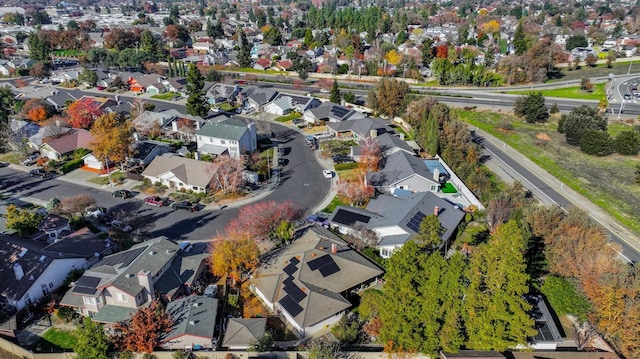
[106, 163]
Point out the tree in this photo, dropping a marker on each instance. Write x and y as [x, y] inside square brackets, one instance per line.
[596, 143]
[36, 110]
[263, 344]
[195, 101]
[519, 40]
[390, 96]
[178, 34]
[21, 220]
[354, 192]
[611, 58]
[112, 138]
[349, 97]
[39, 70]
[244, 54]
[233, 256]
[150, 46]
[346, 330]
[259, 221]
[393, 57]
[302, 67]
[120, 39]
[319, 349]
[532, 108]
[83, 112]
[497, 284]
[430, 232]
[142, 333]
[334, 95]
[226, 174]
[576, 41]
[88, 76]
[38, 48]
[273, 36]
[581, 119]
[591, 60]
[627, 142]
[76, 204]
[91, 341]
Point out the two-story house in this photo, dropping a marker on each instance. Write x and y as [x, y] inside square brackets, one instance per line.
[235, 136]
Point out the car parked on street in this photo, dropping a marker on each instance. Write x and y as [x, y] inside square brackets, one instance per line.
[186, 205]
[116, 223]
[122, 193]
[95, 212]
[327, 173]
[39, 172]
[155, 201]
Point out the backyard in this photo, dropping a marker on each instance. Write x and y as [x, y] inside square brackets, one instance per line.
[606, 181]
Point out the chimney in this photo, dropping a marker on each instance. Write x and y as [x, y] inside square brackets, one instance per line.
[334, 248]
[373, 133]
[436, 210]
[144, 279]
[436, 175]
[196, 156]
[19, 272]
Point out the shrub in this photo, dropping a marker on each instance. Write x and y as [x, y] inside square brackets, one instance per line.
[72, 165]
[564, 298]
[627, 143]
[596, 143]
[66, 314]
[346, 166]
[554, 109]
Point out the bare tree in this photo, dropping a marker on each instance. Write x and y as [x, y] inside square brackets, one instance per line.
[227, 174]
[76, 204]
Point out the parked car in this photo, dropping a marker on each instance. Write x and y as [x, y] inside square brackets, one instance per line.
[95, 212]
[323, 90]
[627, 96]
[186, 205]
[324, 135]
[39, 172]
[155, 201]
[327, 173]
[211, 290]
[4, 164]
[314, 218]
[30, 160]
[116, 223]
[342, 159]
[105, 219]
[122, 193]
[297, 121]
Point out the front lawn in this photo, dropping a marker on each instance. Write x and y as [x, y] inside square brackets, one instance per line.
[289, 117]
[335, 202]
[570, 92]
[11, 157]
[164, 96]
[55, 341]
[115, 177]
[605, 181]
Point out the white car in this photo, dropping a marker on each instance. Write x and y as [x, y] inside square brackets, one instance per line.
[324, 91]
[327, 173]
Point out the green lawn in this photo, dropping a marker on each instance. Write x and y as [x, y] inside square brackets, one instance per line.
[164, 96]
[55, 340]
[605, 181]
[335, 202]
[102, 180]
[288, 117]
[570, 92]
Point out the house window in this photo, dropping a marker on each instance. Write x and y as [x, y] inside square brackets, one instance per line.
[385, 252]
[89, 300]
[50, 284]
[433, 188]
[223, 142]
[121, 297]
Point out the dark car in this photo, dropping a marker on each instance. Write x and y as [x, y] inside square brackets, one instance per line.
[4, 164]
[105, 218]
[155, 201]
[121, 193]
[186, 205]
[314, 218]
[39, 172]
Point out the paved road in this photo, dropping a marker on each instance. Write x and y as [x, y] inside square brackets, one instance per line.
[301, 182]
[511, 166]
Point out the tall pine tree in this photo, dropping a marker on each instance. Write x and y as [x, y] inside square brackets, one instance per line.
[335, 96]
[195, 101]
[244, 55]
[520, 40]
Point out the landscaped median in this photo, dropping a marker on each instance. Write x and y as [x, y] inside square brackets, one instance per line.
[605, 181]
[574, 92]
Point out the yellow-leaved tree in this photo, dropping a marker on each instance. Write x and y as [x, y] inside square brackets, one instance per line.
[112, 138]
[491, 27]
[233, 257]
[393, 57]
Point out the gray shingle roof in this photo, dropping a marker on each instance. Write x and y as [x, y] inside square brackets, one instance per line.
[241, 332]
[223, 130]
[191, 172]
[363, 126]
[194, 315]
[399, 166]
[332, 112]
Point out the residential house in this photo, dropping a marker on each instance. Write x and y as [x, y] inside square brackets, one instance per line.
[82, 243]
[396, 220]
[101, 102]
[194, 322]
[360, 128]
[204, 47]
[407, 172]
[283, 104]
[119, 284]
[257, 98]
[309, 282]
[64, 76]
[59, 100]
[54, 226]
[220, 93]
[176, 85]
[29, 272]
[57, 148]
[179, 173]
[234, 136]
[242, 332]
[5, 69]
[389, 144]
[150, 83]
[331, 112]
[262, 64]
[145, 151]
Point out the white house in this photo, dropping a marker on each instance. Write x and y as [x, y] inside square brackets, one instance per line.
[179, 173]
[234, 136]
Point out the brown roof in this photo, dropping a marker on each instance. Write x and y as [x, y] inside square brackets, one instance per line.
[76, 139]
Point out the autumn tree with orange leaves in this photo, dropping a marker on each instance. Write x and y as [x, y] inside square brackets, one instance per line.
[112, 138]
[370, 155]
[36, 110]
[233, 256]
[260, 221]
[143, 332]
[226, 174]
[83, 112]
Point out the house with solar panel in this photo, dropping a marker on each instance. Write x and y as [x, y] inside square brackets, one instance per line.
[118, 285]
[396, 219]
[284, 104]
[331, 112]
[235, 137]
[310, 282]
[405, 171]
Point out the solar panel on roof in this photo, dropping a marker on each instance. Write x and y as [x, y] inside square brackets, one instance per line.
[294, 260]
[325, 264]
[347, 217]
[290, 269]
[294, 292]
[88, 281]
[329, 269]
[290, 306]
[414, 222]
[319, 262]
[84, 290]
[123, 258]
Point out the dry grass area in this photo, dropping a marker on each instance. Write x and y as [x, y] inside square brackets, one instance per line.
[606, 181]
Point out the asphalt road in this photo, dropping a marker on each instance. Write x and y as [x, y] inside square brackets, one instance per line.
[301, 182]
[505, 165]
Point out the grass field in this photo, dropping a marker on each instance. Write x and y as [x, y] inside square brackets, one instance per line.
[606, 181]
[164, 96]
[570, 92]
[618, 68]
[288, 117]
[55, 341]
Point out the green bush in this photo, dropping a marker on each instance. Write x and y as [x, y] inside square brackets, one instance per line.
[627, 143]
[72, 165]
[346, 166]
[66, 314]
[596, 143]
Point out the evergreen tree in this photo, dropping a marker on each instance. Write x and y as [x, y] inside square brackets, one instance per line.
[531, 107]
[335, 96]
[520, 40]
[38, 49]
[244, 55]
[91, 341]
[7, 101]
[431, 135]
[430, 232]
[496, 313]
[596, 143]
[308, 38]
[150, 46]
[195, 100]
[578, 121]
[627, 142]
